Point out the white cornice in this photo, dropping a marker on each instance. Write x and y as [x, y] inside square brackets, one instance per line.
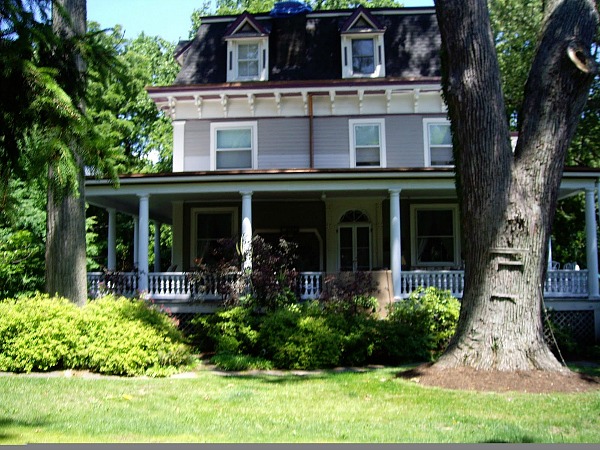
[277, 100]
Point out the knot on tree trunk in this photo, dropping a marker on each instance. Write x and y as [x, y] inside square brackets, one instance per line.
[582, 58]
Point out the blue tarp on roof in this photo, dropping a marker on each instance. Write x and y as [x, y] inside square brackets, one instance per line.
[284, 9]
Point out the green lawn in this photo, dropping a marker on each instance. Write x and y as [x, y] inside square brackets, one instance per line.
[372, 406]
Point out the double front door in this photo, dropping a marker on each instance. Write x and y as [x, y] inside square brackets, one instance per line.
[355, 247]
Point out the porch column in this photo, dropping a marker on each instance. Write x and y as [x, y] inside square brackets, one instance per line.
[111, 263]
[247, 230]
[157, 246]
[591, 243]
[395, 243]
[177, 229]
[136, 239]
[143, 234]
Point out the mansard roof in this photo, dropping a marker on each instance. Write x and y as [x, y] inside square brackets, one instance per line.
[307, 46]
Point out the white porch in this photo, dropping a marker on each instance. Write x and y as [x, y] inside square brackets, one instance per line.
[387, 196]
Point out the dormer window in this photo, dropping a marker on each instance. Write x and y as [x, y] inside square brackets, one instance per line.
[362, 46]
[247, 50]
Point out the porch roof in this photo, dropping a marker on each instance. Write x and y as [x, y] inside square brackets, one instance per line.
[165, 188]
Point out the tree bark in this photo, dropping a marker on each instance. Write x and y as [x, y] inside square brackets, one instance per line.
[508, 199]
[65, 226]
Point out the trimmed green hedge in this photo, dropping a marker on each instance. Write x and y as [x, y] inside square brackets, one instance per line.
[110, 335]
[314, 335]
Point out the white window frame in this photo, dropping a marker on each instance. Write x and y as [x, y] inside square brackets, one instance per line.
[352, 123]
[233, 57]
[426, 140]
[215, 126]
[414, 209]
[379, 55]
[195, 212]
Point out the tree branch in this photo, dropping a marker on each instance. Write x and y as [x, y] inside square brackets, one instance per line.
[581, 57]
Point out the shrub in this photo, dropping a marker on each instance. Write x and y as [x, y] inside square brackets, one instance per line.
[397, 343]
[350, 293]
[38, 333]
[111, 335]
[129, 337]
[229, 362]
[232, 331]
[273, 281]
[426, 320]
[299, 337]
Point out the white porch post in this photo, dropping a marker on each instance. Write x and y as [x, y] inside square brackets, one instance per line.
[157, 246]
[247, 230]
[136, 240]
[177, 228]
[395, 243]
[143, 243]
[591, 243]
[178, 144]
[111, 263]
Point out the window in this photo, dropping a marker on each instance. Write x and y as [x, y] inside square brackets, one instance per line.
[210, 227]
[434, 235]
[247, 49]
[362, 56]
[233, 145]
[438, 143]
[367, 142]
[247, 60]
[362, 45]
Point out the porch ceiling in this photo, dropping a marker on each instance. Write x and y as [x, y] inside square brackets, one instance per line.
[164, 189]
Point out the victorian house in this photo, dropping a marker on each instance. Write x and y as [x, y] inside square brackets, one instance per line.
[327, 128]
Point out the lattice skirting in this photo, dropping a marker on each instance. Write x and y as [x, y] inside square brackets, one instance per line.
[579, 323]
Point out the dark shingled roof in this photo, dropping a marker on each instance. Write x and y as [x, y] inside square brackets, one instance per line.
[307, 47]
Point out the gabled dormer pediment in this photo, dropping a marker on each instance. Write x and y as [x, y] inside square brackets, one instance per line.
[362, 21]
[362, 46]
[247, 49]
[246, 26]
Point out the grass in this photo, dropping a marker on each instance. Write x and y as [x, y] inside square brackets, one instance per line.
[348, 407]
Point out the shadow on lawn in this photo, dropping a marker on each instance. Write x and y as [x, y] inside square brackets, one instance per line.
[6, 422]
[296, 376]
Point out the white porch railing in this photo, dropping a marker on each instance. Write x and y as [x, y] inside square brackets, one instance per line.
[566, 283]
[118, 283]
[177, 285]
[451, 280]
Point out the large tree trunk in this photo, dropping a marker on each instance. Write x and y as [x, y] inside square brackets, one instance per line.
[65, 228]
[508, 199]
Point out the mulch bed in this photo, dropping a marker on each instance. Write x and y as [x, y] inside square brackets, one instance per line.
[535, 381]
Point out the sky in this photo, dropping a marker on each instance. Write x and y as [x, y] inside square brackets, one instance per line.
[169, 19]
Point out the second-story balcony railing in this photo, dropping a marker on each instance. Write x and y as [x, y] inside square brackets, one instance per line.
[178, 286]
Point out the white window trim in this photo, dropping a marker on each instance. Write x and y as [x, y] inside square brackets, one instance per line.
[214, 126]
[382, 146]
[379, 55]
[263, 58]
[427, 151]
[413, 233]
[194, 228]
